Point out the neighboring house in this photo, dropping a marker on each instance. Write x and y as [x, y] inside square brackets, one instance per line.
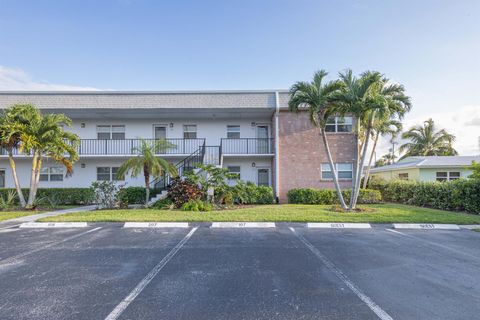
[434, 168]
[251, 133]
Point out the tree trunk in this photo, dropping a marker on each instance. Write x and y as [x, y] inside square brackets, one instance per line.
[37, 178]
[146, 174]
[33, 177]
[334, 170]
[13, 166]
[367, 173]
[359, 147]
[353, 203]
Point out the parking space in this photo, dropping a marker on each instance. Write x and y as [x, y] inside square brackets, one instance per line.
[82, 278]
[108, 272]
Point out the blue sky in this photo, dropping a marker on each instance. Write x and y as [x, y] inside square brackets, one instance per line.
[432, 47]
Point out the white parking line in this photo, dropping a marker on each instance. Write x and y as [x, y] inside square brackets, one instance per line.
[336, 225]
[426, 226]
[48, 225]
[155, 225]
[148, 278]
[382, 314]
[26, 253]
[12, 226]
[243, 225]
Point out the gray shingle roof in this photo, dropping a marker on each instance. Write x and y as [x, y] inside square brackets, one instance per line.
[118, 99]
[429, 162]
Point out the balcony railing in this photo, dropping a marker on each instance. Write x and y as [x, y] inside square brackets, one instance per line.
[97, 147]
[247, 146]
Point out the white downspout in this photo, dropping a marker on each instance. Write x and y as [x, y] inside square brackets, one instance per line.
[277, 144]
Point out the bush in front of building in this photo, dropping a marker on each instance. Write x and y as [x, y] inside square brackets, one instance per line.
[134, 195]
[329, 196]
[197, 205]
[458, 195]
[61, 196]
[182, 191]
[250, 193]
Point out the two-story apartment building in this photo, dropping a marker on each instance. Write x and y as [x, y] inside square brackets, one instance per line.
[249, 132]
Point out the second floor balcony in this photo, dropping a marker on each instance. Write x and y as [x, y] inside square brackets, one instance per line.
[247, 146]
[180, 147]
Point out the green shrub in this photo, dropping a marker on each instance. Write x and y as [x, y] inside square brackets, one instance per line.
[459, 195]
[197, 205]
[61, 196]
[329, 196]
[163, 204]
[250, 193]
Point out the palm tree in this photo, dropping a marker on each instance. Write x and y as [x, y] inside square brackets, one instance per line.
[427, 141]
[381, 127]
[315, 98]
[147, 162]
[367, 98]
[44, 136]
[10, 130]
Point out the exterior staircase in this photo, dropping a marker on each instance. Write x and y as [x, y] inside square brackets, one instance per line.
[159, 196]
[206, 155]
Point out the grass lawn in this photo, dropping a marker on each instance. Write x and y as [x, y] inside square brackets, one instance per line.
[12, 214]
[380, 213]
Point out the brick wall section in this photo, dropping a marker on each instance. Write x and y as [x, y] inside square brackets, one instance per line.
[302, 152]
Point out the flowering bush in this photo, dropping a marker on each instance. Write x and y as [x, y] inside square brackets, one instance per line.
[105, 194]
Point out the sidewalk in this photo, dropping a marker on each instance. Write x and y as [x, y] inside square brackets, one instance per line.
[33, 217]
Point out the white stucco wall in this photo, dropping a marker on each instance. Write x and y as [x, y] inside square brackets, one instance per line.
[83, 177]
[211, 130]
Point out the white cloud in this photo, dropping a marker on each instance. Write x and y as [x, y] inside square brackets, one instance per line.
[17, 79]
[463, 122]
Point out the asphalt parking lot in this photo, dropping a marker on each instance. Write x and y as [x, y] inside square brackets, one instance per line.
[290, 272]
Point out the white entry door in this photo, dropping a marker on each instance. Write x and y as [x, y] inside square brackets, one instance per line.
[263, 177]
[262, 139]
[160, 132]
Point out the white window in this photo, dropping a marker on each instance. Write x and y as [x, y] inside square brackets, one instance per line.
[447, 176]
[111, 132]
[2, 178]
[339, 124]
[403, 176]
[190, 131]
[344, 171]
[51, 174]
[235, 170]
[233, 132]
[107, 174]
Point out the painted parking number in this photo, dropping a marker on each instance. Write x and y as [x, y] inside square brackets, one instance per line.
[242, 224]
[427, 226]
[51, 225]
[337, 225]
[152, 224]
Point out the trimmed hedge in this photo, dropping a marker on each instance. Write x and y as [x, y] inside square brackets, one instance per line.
[62, 196]
[329, 196]
[458, 195]
[250, 193]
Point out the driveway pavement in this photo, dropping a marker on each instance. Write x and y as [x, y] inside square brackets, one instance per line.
[290, 272]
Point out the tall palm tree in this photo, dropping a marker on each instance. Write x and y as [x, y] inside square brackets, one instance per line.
[315, 98]
[381, 127]
[427, 141]
[368, 97]
[148, 163]
[12, 120]
[44, 136]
